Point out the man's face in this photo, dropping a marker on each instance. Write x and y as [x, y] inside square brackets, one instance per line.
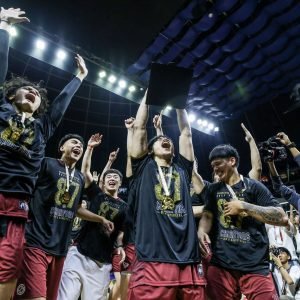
[284, 257]
[223, 168]
[72, 149]
[27, 99]
[163, 148]
[112, 182]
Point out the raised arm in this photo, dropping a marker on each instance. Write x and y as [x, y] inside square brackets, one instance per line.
[185, 139]
[284, 139]
[129, 123]
[287, 193]
[94, 141]
[8, 17]
[157, 123]
[255, 172]
[112, 157]
[139, 137]
[60, 104]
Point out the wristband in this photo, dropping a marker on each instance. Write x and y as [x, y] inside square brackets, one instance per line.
[3, 20]
[280, 267]
[291, 145]
[119, 246]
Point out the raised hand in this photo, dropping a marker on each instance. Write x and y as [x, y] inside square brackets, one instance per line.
[129, 122]
[95, 140]
[283, 138]
[157, 121]
[113, 155]
[13, 16]
[83, 71]
[95, 176]
[248, 135]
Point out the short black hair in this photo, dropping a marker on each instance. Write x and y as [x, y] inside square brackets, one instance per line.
[154, 139]
[112, 171]
[11, 86]
[283, 249]
[224, 151]
[68, 137]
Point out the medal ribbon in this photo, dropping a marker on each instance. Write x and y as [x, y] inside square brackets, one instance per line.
[165, 185]
[231, 191]
[69, 179]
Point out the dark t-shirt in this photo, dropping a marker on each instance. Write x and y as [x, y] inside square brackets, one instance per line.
[51, 213]
[129, 228]
[199, 199]
[93, 241]
[165, 228]
[239, 243]
[78, 223]
[22, 146]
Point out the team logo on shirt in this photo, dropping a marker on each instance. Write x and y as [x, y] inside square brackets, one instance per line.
[64, 198]
[232, 225]
[170, 205]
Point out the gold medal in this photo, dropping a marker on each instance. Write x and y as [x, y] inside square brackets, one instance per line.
[167, 203]
[66, 197]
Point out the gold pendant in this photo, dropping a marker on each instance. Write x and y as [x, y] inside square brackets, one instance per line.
[66, 197]
[167, 203]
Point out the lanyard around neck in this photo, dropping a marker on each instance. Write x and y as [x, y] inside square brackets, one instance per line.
[166, 185]
[69, 178]
[231, 191]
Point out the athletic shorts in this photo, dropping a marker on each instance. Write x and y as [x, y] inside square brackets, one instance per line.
[40, 275]
[229, 285]
[130, 258]
[11, 247]
[83, 277]
[157, 280]
[126, 266]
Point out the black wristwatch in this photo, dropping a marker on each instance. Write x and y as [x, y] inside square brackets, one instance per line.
[291, 145]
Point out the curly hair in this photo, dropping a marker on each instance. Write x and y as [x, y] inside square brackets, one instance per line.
[11, 86]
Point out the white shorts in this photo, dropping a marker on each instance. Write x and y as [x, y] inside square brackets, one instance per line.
[82, 276]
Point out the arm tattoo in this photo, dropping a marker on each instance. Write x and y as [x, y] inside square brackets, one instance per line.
[269, 215]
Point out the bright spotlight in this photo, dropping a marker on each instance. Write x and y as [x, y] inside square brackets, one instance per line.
[112, 78]
[13, 31]
[61, 54]
[216, 129]
[199, 121]
[192, 118]
[102, 74]
[168, 107]
[141, 89]
[210, 126]
[204, 123]
[132, 88]
[40, 44]
[122, 84]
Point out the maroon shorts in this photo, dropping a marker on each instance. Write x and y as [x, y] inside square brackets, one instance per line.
[40, 275]
[126, 266]
[229, 285]
[161, 281]
[11, 247]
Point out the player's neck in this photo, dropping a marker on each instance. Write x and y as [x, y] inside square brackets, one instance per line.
[162, 162]
[234, 178]
[70, 163]
[286, 265]
[27, 114]
[113, 194]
